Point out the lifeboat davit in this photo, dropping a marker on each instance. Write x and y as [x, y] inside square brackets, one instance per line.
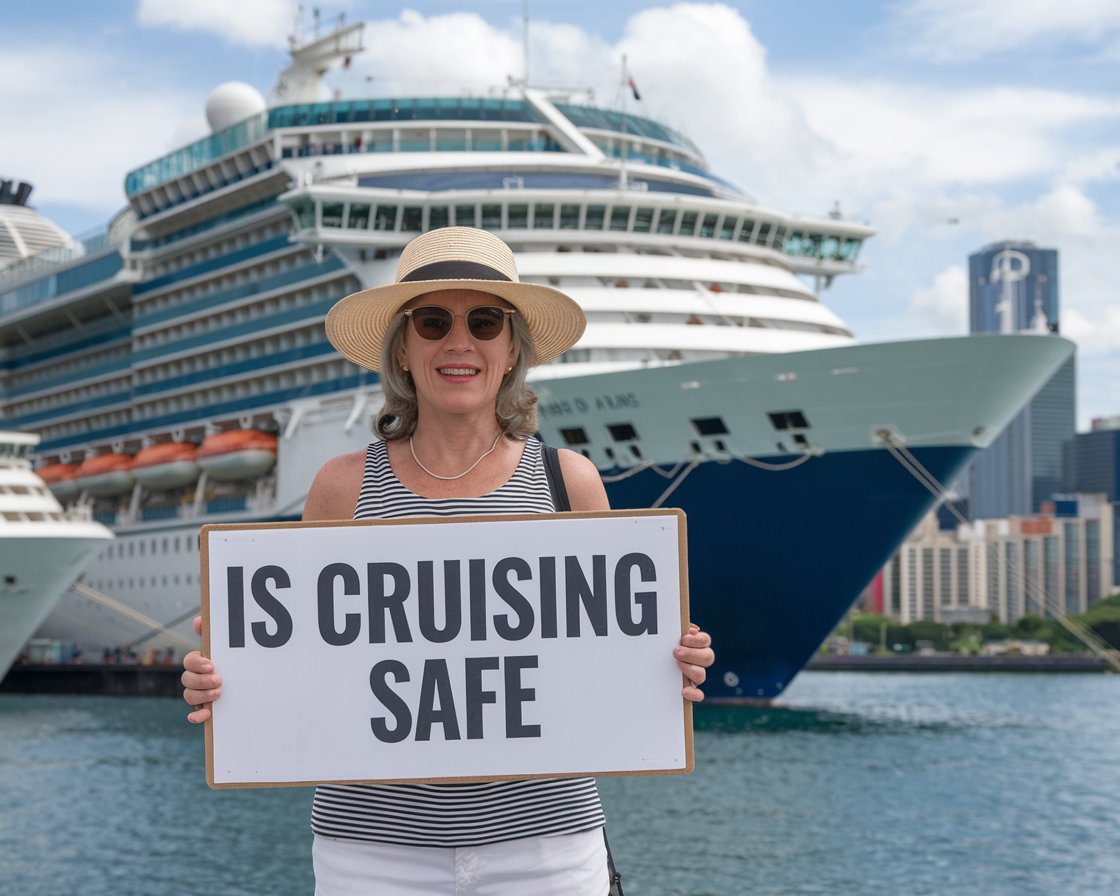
[105, 476]
[60, 480]
[166, 465]
[237, 454]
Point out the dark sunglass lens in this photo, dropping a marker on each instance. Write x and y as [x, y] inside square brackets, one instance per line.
[432, 322]
[485, 323]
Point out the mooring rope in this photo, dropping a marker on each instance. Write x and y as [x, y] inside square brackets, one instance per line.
[1083, 633]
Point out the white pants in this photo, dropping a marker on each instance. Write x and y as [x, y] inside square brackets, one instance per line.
[564, 865]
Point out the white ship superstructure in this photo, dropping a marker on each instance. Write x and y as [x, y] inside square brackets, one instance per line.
[178, 372]
[43, 548]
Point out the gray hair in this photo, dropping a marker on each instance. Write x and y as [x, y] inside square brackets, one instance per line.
[516, 406]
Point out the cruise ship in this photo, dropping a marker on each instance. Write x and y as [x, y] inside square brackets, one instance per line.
[43, 548]
[177, 372]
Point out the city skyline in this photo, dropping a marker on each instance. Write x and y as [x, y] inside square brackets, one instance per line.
[946, 126]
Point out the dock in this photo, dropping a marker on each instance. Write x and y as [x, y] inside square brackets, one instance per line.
[124, 680]
[121, 680]
[909, 662]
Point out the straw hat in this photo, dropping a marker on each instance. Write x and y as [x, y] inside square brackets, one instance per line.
[454, 258]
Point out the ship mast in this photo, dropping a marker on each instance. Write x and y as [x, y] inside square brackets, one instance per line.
[300, 82]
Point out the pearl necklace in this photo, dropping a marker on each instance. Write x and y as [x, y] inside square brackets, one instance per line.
[485, 455]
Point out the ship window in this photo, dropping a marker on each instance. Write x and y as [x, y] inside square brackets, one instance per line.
[709, 426]
[688, 223]
[386, 217]
[666, 222]
[518, 216]
[332, 214]
[728, 230]
[305, 214]
[569, 217]
[782, 420]
[620, 218]
[643, 220]
[575, 435]
[763, 234]
[543, 215]
[465, 216]
[412, 217]
[708, 227]
[622, 432]
[595, 216]
[438, 216]
[359, 217]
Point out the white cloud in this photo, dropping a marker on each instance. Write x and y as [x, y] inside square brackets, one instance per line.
[955, 30]
[414, 55]
[70, 101]
[942, 307]
[253, 22]
[947, 137]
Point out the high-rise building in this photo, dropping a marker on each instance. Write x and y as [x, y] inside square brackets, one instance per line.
[1013, 287]
[1092, 464]
[1057, 561]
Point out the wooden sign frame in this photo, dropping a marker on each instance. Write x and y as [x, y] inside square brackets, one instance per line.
[607, 683]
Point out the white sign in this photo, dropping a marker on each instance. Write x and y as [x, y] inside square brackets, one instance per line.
[448, 649]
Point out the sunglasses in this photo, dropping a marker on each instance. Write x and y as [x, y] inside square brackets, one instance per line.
[434, 322]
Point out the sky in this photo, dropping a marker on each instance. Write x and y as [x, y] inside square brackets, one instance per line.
[945, 124]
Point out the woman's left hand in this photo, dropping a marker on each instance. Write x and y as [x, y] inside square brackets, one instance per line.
[694, 655]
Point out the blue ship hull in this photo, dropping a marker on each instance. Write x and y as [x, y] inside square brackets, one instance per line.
[772, 569]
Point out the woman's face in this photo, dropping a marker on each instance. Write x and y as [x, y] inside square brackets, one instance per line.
[458, 373]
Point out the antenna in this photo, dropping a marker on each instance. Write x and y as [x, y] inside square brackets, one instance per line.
[525, 37]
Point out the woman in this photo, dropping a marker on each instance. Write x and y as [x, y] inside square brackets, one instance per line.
[452, 340]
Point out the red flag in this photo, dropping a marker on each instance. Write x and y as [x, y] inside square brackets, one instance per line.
[633, 88]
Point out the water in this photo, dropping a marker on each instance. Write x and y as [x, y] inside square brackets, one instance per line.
[859, 783]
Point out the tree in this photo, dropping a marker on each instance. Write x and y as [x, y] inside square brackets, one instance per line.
[1103, 618]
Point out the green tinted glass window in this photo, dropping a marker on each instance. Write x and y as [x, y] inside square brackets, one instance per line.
[438, 216]
[359, 217]
[332, 214]
[569, 217]
[518, 216]
[643, 220]
[491, 217]
[465, 216]
[542, 216]
[386, 218]
[708, 225]
[595, 217]
[412, 218]
[620, 218]
[688, 223]
[666, 221]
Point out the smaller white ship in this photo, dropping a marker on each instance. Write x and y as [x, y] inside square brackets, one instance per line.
[43, 548]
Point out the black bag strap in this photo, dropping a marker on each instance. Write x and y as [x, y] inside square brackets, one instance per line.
[555, 477]
[612, 872]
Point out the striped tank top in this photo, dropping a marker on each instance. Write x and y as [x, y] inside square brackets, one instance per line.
[455, 815]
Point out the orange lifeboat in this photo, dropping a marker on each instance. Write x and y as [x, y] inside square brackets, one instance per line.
[105, 476]
[237, 454]
[166, 465]
[60, 480]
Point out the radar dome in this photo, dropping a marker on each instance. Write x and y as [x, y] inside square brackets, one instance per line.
[231, 103]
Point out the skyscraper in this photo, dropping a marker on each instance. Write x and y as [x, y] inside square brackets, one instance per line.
[1013, 287]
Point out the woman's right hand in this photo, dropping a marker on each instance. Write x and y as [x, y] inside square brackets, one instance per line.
[201, 684]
